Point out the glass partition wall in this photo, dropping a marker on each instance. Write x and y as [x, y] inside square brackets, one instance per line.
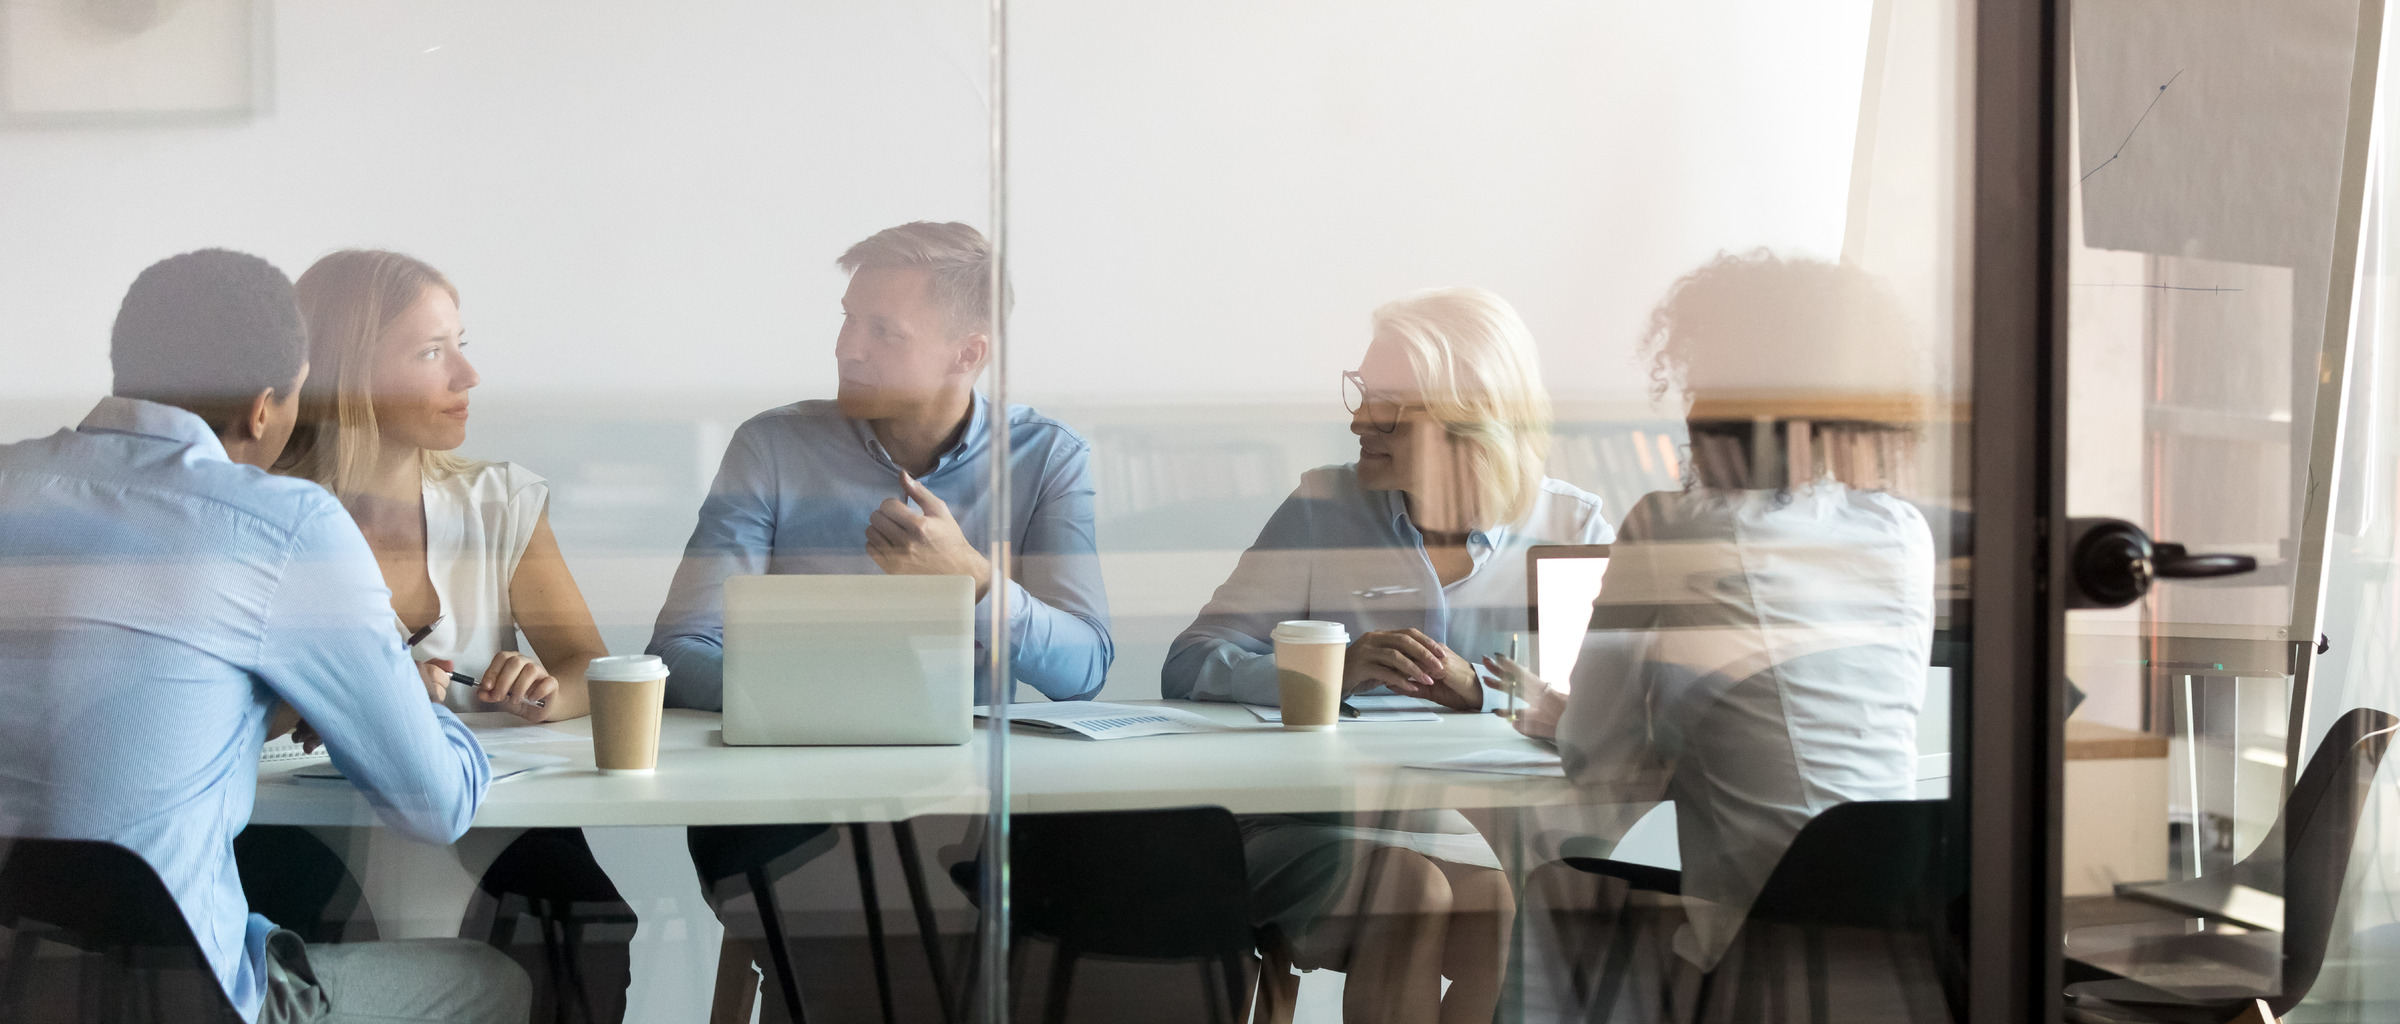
[635, 212]
[1469, 510]
[1528, 472]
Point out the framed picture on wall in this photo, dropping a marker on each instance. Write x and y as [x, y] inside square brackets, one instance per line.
[101, 62]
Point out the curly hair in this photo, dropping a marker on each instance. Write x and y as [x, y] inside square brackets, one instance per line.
[1739, 315]
[206, 332]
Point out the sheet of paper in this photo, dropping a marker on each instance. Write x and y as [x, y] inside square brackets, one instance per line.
[1393, 702]
[283, 751]
[1503, 761]
[492, 727]
[506, 765]
[1365, 717]
[1101, 721]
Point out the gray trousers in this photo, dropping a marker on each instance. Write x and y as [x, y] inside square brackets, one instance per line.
[453, 981]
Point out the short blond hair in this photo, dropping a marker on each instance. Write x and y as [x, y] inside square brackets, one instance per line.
[1479, 377]
[955, 257]
[348, 299]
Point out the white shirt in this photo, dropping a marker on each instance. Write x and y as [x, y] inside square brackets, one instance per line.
[477, 523]
[1757, 658]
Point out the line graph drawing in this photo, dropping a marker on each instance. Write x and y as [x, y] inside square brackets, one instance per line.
[2137, 126]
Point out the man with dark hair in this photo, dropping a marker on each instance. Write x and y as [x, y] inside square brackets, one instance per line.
[204, 332]
[161, 594]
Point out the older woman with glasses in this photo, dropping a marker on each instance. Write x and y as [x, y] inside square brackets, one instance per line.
[1419, 549]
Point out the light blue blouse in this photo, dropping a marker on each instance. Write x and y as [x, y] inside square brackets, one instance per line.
[1338, 552]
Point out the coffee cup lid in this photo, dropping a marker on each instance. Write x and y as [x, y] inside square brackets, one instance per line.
[1310, 631]
[626, 668]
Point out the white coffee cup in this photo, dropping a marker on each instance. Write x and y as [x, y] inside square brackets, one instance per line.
[629, 694]
[1309, 656]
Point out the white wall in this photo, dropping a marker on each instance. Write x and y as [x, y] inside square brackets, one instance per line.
[632, 196]
[1207, 198]
[641, 203]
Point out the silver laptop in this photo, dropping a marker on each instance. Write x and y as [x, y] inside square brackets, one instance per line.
[849, 660]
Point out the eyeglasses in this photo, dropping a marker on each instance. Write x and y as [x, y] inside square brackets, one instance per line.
[1356, 396]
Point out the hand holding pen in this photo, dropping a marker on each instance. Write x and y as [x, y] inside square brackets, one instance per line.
[511, 679]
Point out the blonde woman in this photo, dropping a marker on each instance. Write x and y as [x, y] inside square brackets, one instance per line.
[465, 546]
[1419, 549]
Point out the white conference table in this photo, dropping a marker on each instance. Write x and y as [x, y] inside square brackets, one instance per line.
[419, 890]
[1253, 767]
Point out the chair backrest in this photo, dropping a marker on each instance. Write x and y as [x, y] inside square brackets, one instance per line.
[1155, 884]
[104, 900]
[2318, 826]
[1865, 864]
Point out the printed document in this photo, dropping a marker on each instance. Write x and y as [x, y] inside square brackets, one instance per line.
[1100, 721]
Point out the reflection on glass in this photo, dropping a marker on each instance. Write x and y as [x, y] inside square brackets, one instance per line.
[1758, 650]
[642, 261]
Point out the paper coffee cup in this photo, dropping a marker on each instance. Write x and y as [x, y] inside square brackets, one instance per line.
[629, 695]
[1308, 670]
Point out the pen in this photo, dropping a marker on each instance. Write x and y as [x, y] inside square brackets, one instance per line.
[461, 678]
[468, 680]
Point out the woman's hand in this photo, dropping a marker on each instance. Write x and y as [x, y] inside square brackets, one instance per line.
[435, 674]
[1388, 657]
[1413, 665]
[512, 681]
[1543, 705]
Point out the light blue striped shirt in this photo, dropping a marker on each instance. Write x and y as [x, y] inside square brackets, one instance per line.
[793, 496]
[1338, 552]
[156, 598]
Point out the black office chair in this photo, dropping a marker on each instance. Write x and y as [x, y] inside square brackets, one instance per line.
[1874, 865]
[95, 938]
[751, 858]
[292, 878]
[548, 876]
[1147, 885]
[2302, 859]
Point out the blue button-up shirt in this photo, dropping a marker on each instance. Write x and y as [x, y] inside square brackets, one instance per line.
[794, 494]
[1338, 552]
[156, 599]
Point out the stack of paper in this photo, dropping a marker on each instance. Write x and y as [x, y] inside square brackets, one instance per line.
[283, 752]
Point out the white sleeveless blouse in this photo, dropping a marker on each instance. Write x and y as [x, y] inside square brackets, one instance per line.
[477, 523]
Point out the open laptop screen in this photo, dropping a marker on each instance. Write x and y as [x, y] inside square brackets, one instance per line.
[1561, 581]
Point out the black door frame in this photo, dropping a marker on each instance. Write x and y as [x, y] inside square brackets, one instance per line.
[2012, 771]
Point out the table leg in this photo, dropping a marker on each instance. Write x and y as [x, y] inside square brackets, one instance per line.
[912, 867]
[864, 853]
